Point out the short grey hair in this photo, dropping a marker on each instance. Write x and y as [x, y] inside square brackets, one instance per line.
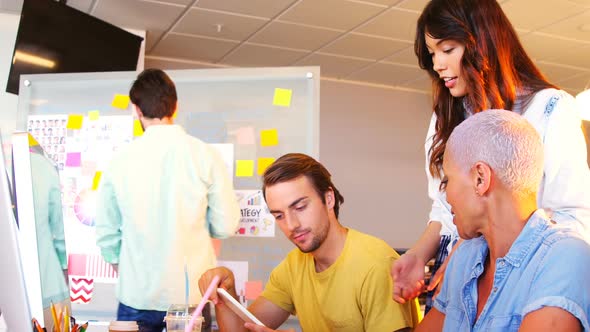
[505, 141]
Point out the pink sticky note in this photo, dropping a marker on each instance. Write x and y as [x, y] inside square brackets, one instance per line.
[73, 159]
[244, 135]
[77, 264]
[253, 289]
[216, 246]
[88, 168]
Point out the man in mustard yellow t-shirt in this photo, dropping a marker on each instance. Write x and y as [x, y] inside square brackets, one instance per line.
[337, 279]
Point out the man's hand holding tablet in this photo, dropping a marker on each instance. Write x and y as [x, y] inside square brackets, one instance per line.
[230, 314]
[237, 308]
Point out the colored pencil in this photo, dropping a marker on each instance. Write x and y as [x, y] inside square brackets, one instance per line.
[54, 317]
[37, 325]
[66, 320]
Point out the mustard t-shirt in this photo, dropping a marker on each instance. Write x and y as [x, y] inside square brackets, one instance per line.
[353, 294]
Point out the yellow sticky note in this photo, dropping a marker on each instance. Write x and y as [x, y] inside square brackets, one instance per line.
[269, 137]
[282, 97]
[96, 180]
[93, 115]
[244, 168]
[75, 121]
[263, 164]
[137, 128]
[32, 141]
[120, 101]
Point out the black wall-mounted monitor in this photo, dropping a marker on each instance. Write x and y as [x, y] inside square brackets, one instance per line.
[55, 38]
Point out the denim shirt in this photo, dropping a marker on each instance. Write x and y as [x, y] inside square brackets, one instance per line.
[547, 265]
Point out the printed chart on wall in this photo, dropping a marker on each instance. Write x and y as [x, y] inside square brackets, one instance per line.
[50, 132]
[256, 219]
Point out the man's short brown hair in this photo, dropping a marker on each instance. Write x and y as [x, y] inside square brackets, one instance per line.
[294, 165]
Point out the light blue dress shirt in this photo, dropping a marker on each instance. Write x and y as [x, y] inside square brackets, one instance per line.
[547, 265]
[160, 201]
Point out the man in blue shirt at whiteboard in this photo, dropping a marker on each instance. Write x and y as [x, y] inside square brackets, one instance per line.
[161, 200]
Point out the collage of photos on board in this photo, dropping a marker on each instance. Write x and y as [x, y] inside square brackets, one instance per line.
[50, 132]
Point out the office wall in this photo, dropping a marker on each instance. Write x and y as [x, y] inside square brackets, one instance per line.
[372, 140]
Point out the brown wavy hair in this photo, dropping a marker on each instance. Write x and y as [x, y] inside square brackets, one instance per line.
[495, 66]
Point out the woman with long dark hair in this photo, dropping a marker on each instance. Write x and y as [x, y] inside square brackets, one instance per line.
[476, 61]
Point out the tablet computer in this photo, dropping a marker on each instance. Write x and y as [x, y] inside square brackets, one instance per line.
[237, 308]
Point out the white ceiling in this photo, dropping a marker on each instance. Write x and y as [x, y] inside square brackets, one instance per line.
[368, 41]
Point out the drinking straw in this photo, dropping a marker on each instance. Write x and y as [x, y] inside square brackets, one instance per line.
[197, 312]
